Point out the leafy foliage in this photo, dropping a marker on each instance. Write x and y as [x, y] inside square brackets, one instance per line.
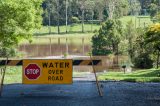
[153, 9]
[143, 61]
[152, 38]
[18, 19]
[135, 7]
[75, 20]
[106, 40]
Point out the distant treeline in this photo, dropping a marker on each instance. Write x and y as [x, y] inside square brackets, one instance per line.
[60, 12]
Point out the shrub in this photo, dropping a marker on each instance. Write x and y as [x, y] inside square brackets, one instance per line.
[7, 52]
[143, 61]
[75, 20]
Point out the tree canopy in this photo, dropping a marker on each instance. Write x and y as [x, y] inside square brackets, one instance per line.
[106, 40]
[18, 18]
[153, 39]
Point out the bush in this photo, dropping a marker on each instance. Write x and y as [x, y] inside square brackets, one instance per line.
[75, 20]
[143, 61]
[7, 52]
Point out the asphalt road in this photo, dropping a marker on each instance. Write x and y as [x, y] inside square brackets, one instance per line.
[82, 93]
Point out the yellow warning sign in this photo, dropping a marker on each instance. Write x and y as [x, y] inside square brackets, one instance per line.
[47, 71]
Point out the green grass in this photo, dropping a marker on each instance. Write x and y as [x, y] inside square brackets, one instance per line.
[75, 35]
[14, 75]
[138, 21]
[76, 28]
[151, 75]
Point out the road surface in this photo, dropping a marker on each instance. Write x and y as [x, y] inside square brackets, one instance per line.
[82, 93]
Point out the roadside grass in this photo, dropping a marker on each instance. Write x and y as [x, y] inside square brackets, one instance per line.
[14, 74]
[149, 75]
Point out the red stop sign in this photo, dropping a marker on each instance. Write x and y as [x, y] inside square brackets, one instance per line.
[32, 71]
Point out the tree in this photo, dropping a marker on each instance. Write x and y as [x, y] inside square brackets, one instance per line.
[153, 9]
[100, 5]
[57, 11]
[135, 7]
[18, 19]
[50, 9]
[82, 7]
[116, 8]
[142, 52]
[107, 39]
[90, 8]
[153, 39]
[130, 33]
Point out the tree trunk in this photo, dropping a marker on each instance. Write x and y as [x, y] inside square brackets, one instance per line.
[58, 17]
[92, 21]
[158, 55]
[117, 53]
[58, 24]
[82, 20]
[49, 22]
[66, 15]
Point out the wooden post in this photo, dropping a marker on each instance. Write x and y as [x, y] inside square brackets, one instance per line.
[50, 49]
[97, 83]
[3, 75]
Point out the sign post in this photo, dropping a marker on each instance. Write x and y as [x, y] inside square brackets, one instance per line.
[44, 71]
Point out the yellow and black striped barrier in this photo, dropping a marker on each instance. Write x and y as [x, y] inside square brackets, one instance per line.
[75, 62]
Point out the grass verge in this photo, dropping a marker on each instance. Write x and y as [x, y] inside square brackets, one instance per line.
[14, 75]
[150, 75]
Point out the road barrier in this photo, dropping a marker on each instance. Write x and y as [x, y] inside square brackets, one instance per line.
[48, 71]
[75, 62]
